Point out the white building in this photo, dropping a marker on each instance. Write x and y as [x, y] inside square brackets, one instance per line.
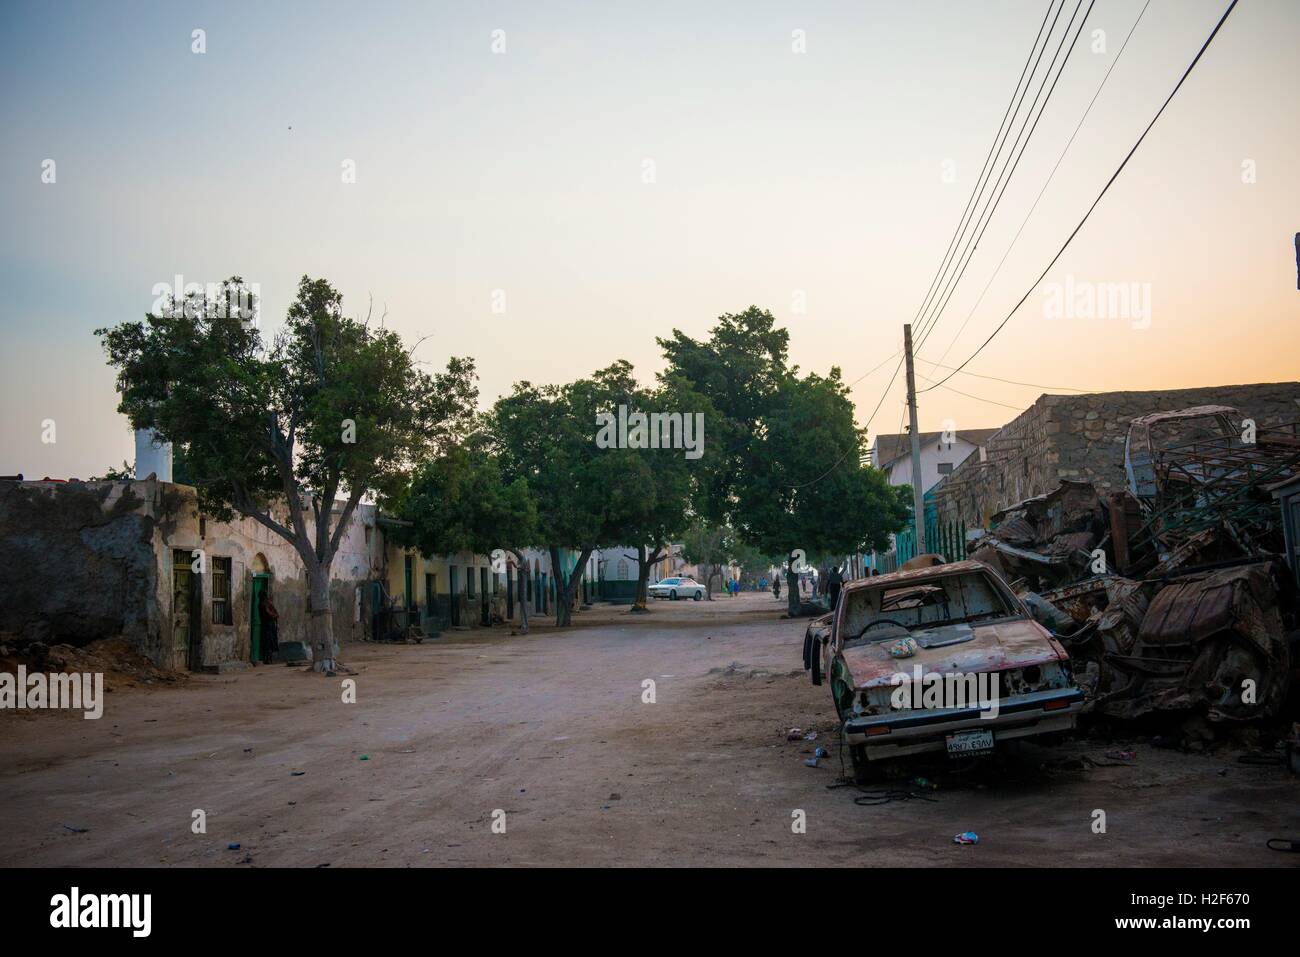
[892, 454]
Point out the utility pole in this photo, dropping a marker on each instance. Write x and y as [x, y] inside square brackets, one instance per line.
[918, 491]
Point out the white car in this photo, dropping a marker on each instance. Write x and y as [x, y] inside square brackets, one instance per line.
[675, 588]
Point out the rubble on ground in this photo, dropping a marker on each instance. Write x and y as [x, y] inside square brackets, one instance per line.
[115, 658]
[1047, 540]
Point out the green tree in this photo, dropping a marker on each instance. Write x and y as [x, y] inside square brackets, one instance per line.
[658, 514]
[711, 546]
[546, 436]
[113, 474]
[807, 493]
[459, 501]
[752, 561]
[784, 468]
[291, 434]
[736, 372]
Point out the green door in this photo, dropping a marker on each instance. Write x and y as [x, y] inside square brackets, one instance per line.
[255, 617]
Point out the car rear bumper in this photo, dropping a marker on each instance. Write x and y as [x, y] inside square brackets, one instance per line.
[919, 731]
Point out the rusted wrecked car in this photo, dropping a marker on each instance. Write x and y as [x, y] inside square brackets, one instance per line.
[955, 625]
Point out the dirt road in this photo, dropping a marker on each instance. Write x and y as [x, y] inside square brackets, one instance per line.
[552, 729]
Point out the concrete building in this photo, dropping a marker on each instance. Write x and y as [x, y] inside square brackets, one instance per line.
[941, 453]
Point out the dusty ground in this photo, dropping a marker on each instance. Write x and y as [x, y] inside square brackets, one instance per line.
[551, 729]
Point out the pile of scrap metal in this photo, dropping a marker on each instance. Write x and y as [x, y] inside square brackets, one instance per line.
[1172, 596]
[1213, 641]
[1200, 489]
[1046, 541]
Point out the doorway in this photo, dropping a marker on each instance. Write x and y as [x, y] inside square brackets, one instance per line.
[187, 600]
[260, 584]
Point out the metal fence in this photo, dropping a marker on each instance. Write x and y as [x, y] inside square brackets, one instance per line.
[944, 538]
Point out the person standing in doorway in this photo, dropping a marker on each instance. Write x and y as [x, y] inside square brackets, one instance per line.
[270, 627]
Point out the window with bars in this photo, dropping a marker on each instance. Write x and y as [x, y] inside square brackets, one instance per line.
[222, 611]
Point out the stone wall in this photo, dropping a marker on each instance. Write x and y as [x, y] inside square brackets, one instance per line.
[77, 563]
[1081, 437]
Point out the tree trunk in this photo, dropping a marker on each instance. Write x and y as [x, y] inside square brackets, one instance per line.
[640, 601]
[565, 584]
[715, 571]
[523, 591]
[642, 580]
[320, 619]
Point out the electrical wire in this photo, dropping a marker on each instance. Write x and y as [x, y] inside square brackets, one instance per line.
[998, 142]
[1114, 176]
[991, 209]
[873, 369]
[979, 398]
[1032, 385]
[1011, 245]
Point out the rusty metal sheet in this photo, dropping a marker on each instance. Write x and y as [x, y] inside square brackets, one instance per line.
[1195, 411]
[1188, 611]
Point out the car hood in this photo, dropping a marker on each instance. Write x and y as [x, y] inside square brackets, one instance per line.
[992, 646]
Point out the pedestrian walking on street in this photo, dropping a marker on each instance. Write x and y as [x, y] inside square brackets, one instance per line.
[834, 582]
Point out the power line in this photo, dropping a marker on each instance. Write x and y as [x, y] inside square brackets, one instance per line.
[974, 247]
[977, 398]
[871, 370]
[1011, 245]
[1032, 385]
[1186, 73]
[998, 141]
[991, 205]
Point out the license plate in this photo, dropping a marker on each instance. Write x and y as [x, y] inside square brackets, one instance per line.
[971, 742]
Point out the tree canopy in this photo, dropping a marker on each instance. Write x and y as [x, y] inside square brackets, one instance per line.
[331, 409]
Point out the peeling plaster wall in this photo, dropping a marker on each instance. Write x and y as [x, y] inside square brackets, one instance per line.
[1081, 438]
[81, 561]
[77, 563]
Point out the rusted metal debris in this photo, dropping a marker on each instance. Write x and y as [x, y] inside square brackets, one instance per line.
[1046, 541]
[1211, 642]
[1201, 480]
[1190, 608]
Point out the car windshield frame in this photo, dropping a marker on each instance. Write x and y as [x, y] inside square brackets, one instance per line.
[928, 588]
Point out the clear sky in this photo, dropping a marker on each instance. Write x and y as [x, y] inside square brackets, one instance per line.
[778, 176]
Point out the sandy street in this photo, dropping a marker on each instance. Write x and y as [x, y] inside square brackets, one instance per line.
[551, 728]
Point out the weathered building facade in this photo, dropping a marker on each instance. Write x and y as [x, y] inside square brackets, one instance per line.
[137, 559]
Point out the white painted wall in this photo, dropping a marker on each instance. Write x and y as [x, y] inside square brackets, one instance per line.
[932, 454]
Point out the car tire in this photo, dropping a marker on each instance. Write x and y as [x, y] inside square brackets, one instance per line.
[699, 595]
[673, 594]
[864, 770]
